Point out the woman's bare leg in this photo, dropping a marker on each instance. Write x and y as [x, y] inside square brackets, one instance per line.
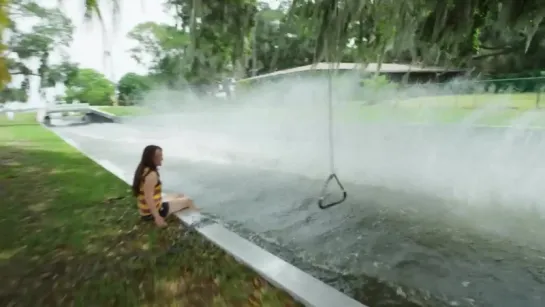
[180, 203]
[170, 197]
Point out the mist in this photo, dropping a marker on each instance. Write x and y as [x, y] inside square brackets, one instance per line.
[283, 126]
[427, 182]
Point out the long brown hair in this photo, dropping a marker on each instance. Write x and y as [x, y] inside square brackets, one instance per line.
[146, 161]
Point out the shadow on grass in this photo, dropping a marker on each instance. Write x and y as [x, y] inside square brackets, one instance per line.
[73, 237]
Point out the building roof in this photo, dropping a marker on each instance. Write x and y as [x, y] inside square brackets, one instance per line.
[370, 67]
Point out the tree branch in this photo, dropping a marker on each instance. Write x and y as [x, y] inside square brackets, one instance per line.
[503, 47]
[23, 73]
[501, 52]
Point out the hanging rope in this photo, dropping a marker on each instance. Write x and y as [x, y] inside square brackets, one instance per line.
[332, 172]
[330, 119]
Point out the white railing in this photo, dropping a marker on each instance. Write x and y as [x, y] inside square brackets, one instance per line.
[74, 107]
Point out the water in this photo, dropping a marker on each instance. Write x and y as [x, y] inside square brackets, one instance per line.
[441, 214]
[436, 215]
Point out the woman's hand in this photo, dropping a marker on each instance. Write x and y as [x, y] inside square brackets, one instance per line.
[160, 222]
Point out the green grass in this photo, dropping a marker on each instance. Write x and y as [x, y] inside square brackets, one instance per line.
[71, 237]
[125, 110]
[485, 109]
[372, 114]
[519, 101]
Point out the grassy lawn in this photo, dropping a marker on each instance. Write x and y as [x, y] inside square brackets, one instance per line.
[485, 109]
[440, 115]
[519, 101]
[72, 237]
[125, 111]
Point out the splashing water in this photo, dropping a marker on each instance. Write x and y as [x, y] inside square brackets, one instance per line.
[427, 201]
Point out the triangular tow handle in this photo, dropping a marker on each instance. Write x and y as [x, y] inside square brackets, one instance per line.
[321, 204]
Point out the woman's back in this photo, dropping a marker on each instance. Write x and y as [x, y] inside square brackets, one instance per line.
[149, 174]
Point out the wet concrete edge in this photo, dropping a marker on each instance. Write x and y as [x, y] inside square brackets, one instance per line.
[299, 284]
[114, 118]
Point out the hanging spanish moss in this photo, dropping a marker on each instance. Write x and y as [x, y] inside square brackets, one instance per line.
[447, 32]
[502, 35]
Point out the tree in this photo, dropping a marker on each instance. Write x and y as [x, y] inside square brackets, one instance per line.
[52, 31]
[132, 87]
[156, 40]
[11, 93]
[219, 33]
[161, 49]
[61, 73]
[25, 8]
[434, 32]
[282, 41]
[89, 86]
[485, 34]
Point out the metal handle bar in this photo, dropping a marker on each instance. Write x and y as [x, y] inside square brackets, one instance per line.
[323, 194]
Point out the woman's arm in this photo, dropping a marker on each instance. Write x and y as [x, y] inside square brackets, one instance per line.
[149, 189]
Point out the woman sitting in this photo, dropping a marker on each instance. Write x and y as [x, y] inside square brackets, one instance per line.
[146, 187]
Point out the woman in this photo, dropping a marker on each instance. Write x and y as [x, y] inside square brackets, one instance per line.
[146, 187]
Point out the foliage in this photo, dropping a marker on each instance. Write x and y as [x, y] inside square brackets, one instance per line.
[10, 93]
[156, 40]
[132, 88]
[5, 77]
[61, 73]
[213, 40]
[161, 49]
[376, 82]
[219, 33]
[280, 42]
[429, 31]
[90, 86]
[376, 88]
[51, 31]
